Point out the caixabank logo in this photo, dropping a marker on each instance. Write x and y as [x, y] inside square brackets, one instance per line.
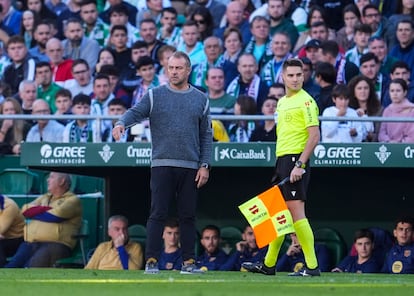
[62, 154]
[337, 155]
[227, 153]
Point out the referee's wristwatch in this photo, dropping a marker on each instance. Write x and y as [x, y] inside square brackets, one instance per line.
[300, 164]
[205, 165]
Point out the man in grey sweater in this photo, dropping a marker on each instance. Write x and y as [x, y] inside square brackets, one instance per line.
[181, 150]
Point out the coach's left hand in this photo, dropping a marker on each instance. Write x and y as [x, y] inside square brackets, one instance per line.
[202, 177]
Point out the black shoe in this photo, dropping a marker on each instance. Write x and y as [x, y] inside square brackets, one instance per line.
[304, 271]
[259, 267]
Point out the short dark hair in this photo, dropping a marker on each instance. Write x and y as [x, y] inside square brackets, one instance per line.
[73, 20]
[117, 101]
[87, 2]
[364, 28]
[171, 10]
[118, 8]
[139, 44]
[307, 61]
[172, 223]
[43, 64]
[399, 64]
[16, 39]
[364, 233]
[368, 57]
[330, 47]
[63, 92]
[326, 71]
[119, 28]
[110, 70]
[404, 219]
[277, 85]
[369, 6]
[81, 99]
[80, 62]
[211, 227]
[144, 61]
[148, 20]
[341, 90]
[100, 76]
[406, 21]
[319, 24]
[293, 62]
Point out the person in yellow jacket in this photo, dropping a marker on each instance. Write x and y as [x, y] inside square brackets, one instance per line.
[119, 252]
[54, 218]
[11, 228]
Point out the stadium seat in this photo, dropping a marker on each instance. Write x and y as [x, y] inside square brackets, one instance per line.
[88, 184]
[17, 181]
[333, 241]
[138, 233]
[79, 255]
[230, 235]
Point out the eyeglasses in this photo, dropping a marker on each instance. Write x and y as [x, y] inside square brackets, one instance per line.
[372, 15]
[80, 72]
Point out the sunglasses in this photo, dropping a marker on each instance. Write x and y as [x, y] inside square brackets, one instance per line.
[200, 22]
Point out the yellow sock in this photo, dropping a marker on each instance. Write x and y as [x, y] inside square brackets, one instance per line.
[304, 234]
[273, 251]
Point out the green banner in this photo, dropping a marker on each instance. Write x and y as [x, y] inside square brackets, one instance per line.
[224, 155]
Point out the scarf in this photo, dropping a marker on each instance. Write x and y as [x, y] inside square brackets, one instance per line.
[267, 55]
[353, 55]
[241, 133]
[80, 134]
[378, 86]
[199, 73]
[174, 39]
[272, 71]
[232, 58]
[253, 90]
[340, 66]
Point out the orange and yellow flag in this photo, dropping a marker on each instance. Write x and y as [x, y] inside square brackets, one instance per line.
[268, 215]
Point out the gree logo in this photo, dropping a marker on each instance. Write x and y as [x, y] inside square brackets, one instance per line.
[337, 152]
[47, 151]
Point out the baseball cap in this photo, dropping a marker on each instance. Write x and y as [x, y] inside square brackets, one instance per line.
[313, 43]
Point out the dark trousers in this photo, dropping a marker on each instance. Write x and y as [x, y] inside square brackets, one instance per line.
[8, 248]
[167, 184]
[39, 254]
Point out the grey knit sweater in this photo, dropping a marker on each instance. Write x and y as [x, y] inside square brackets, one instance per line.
[180, 126]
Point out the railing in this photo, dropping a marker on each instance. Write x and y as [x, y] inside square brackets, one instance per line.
[100, 118]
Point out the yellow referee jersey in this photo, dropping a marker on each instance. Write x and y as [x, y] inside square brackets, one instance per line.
[295, 115]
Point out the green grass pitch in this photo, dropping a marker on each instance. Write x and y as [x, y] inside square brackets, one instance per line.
[76, 282]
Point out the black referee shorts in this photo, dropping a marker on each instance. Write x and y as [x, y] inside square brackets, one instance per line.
[283, 168]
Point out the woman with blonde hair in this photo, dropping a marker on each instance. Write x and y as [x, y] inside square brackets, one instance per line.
[12, 131]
